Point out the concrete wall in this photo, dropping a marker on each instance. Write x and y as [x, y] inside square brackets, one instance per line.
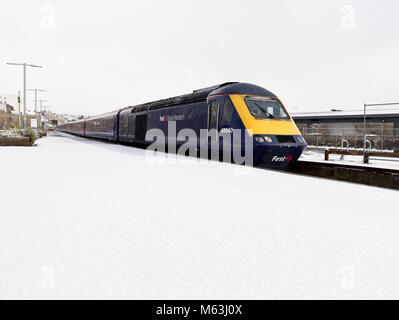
[8, 120]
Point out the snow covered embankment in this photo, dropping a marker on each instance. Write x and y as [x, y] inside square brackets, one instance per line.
[108, 221]
[17, 137]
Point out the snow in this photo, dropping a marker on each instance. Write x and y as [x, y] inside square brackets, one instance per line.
[99, 220]
[14, 133]
[374, 162]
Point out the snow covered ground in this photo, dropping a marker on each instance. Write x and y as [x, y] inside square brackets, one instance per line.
[376, 162]
[14, 133]
[87, 219]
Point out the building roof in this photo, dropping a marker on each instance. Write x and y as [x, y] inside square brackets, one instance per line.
[5, 107]
[347, 114]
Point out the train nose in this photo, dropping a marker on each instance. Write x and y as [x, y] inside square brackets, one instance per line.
[278, 157]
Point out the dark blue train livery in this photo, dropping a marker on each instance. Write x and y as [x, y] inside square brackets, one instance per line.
[219, 111]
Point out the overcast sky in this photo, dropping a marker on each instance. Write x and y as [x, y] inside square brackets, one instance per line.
[103, 55]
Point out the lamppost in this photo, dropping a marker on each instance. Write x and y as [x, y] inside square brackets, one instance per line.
[24, 65]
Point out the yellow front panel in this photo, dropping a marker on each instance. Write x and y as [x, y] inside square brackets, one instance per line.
[261, 126]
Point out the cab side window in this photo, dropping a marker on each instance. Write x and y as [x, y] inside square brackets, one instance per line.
[213, 115]
[228, 110]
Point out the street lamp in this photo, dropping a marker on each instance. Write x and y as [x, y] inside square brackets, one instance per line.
[24, 65]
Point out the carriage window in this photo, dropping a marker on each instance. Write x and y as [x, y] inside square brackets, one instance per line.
[264, 108]
[228, 110]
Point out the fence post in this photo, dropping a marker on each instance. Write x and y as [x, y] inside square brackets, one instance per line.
[366, 158]
[356, 141]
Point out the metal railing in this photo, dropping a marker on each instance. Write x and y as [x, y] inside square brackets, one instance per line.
[377, 138]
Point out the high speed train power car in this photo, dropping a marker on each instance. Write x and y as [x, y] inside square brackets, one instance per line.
[276, 141]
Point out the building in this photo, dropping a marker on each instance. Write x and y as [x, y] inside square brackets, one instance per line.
[6, 108]
[11, 101]
[338, 127]
[3, 107]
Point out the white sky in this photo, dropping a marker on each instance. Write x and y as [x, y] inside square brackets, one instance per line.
[102, 55]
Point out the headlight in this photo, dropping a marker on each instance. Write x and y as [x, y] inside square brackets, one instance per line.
[268, 139]
[259, 139]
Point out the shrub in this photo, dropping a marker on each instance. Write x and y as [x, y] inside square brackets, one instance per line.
[15, 133]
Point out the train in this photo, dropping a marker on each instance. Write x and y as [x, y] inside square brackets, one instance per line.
[219, 111]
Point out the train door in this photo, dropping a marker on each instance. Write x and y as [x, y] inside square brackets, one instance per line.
[226, 115]
[214, 107]
[220, 116]
[131, 126]
[123, 126]
[141, 128]
[116, 126]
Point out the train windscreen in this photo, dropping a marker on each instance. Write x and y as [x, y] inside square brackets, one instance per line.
[264, 108]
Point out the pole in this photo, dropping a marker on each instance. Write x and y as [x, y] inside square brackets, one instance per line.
[24, 95]
[364, 131]
[41, 104]
[37, 115]
[19, 109]
[35, 100]
[24, 65]
[41, 110]
[41, 107]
